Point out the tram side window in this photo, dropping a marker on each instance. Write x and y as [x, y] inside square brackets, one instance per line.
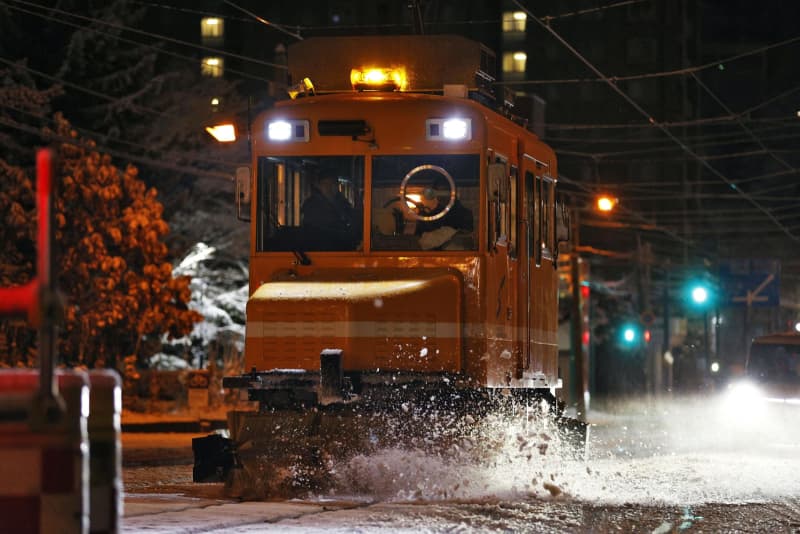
[503, 205]
[547, 215]
[512, 212]
[498, 203]
[541, 195]
[533, 207]
[308, 204]
[425, 202]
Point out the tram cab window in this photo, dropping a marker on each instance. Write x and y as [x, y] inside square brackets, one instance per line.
[774, 363]
[425, 202]
[310, 204]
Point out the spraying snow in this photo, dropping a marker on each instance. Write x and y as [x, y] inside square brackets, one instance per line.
[674, 452]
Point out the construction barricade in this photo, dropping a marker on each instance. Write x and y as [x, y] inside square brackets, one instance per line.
[45, 424]
[105, 461]
[44, 460]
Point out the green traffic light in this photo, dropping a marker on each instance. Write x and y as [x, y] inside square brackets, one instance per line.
[700, 294]
[629, 335]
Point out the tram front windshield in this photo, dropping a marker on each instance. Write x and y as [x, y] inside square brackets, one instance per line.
[425, 202]
[418, 203]
[308, 203]
[775, 364]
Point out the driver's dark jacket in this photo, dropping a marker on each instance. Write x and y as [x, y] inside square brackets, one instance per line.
[459, 217]
[330, 224]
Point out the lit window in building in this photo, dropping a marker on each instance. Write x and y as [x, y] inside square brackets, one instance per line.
[514, 21]
[211, 27]
[212, 67]
[514, 61]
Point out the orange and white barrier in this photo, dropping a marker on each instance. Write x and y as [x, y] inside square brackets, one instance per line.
[105, 459]
[44, 464]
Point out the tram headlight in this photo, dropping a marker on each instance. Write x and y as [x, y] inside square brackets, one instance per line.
[454, 129]
[279, 131]
[288, 130]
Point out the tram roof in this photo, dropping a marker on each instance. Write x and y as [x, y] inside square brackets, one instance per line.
[430, 61]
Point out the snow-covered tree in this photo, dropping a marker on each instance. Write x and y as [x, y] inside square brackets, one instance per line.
[111, 257]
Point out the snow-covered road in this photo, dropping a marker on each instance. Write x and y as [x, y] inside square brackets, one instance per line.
[651, 467]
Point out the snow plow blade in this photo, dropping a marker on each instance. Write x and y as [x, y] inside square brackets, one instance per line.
[214, 457]
[291, 452]
[308, 421]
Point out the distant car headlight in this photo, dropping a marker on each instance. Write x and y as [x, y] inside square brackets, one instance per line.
[745, 390]
[744, 400]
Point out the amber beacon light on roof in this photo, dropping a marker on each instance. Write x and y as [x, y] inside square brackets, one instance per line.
[379, 79]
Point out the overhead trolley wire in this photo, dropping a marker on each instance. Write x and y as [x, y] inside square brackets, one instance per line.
[661, 74]
[96, 135]
[655, 123]
[101, 148]
[640, 218]
[216, 51]
[264, 21]
[86, 90]
[744, 127]
[125, 40]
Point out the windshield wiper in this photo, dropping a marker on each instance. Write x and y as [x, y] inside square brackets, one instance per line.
[301, 256]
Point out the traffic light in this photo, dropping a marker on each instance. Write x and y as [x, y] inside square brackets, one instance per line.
[630, 336]
[701, 293]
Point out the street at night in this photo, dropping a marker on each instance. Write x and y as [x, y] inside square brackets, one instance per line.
[399, 266]
[671, 465]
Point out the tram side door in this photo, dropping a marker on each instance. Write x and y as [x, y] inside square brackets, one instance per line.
[536, 276]
[527, 263]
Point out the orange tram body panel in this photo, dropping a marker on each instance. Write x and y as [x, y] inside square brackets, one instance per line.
[413, 234]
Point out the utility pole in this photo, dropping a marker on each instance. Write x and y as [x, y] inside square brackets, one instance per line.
[416, 16]
[665, 347]
[577, 320]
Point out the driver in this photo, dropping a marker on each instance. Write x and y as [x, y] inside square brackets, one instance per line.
[328, 215]
[458, 217]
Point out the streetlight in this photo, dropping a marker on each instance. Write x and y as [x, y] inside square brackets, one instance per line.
[223, 133]
[605, 204]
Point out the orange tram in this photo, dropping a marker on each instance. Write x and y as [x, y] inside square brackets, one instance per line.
[404, 237]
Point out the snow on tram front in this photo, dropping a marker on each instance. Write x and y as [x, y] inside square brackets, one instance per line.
[404, 242]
